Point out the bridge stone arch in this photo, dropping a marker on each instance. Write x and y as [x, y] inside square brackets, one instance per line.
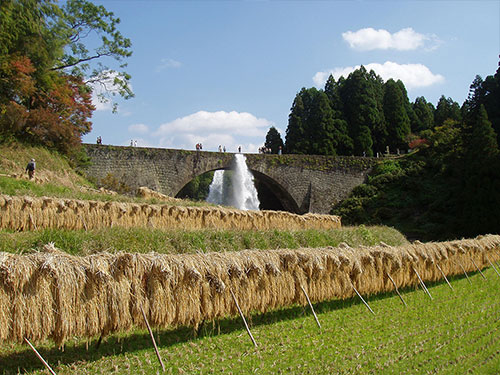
[302, 183]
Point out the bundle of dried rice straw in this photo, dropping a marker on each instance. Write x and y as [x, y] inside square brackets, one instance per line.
[27, 213]
[51, 294]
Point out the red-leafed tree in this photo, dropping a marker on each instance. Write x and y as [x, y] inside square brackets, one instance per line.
[47, 72]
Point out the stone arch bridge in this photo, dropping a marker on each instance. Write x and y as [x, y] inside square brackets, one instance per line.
[297, 183]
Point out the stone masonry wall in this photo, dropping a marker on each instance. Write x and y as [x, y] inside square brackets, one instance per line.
[302, 183]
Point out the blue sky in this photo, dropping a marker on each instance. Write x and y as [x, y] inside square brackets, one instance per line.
[224, 72]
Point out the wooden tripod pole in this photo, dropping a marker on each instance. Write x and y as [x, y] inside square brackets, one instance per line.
[463, 269]
[359, 295]
[491, 264]
[422, 283]
[311, 306]
[153, 339]
[442, 273]
[484, 277]
[40, 357]
[397, 290]
[243, 317]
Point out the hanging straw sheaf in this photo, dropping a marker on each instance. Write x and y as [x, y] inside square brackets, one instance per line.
[51, 294]
[28, 213]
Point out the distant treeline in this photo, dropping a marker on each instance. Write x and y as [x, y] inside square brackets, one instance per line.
[450, 188]
[363, 115]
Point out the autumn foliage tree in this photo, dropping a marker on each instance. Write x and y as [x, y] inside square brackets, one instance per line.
[47, 74]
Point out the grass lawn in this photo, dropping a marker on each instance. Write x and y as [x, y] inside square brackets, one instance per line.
[142, 240]
[456, 333]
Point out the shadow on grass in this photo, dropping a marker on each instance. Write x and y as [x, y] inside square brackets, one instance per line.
[24, 360]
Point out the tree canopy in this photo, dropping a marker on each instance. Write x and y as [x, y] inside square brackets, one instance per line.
[273, 140]
[50, 64]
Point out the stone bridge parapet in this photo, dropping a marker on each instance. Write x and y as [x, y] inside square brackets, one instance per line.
[302, 183]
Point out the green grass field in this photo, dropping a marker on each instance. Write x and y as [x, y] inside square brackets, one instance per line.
[141, 240]
[456, 333]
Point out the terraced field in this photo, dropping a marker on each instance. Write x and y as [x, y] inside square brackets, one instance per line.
[455, 333]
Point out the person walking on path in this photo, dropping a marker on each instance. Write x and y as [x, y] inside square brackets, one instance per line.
[30, 168]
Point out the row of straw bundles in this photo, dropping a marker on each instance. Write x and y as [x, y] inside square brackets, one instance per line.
[27, 213]
[51, 294]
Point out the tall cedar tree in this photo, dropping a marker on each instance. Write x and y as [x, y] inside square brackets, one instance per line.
[295, 141]
[481, 182]
[447, 109]
[396, 117]
[424, 115]
[273, 140]
[313, 120]
[345, 145]
[412, 116]
[486, 92]
[360, 98]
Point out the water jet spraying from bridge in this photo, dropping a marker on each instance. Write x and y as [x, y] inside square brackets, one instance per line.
[235, 189]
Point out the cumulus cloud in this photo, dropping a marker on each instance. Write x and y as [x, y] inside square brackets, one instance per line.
[138, 128]
[403, 40]
[212, 129]
[412, 75]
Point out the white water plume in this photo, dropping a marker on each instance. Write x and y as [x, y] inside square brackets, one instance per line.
[235, 188]
[216, 188]
[244, 192]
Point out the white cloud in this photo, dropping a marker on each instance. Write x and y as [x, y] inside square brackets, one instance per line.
[168, 64]
[412, 75]
[138, 128]
[404, 40]
[230, 129]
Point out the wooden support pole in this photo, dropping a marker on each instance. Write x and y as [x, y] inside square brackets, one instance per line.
[442, 273]
[311, 306]
[496, 262]
[463, 269]
[153, 339]
[359, 295]
[422, 283]
[491, 264]
[40, 357]
[98, 344]
[243, 317]
[397, 290]
[84, 224]
[32, 222]
[484, 277]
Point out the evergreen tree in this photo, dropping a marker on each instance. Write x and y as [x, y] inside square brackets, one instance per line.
[424, 114]
[362, 111]
[344, 144]
[313, 128]
[412, 116]
[295, 141]
[378, 128]
[273, 140]
[332, 90]
[396, 117]
[447, 109]
[491, 87]
[485, 93]
[481, 180]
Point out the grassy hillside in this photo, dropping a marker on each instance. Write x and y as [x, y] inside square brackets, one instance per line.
[51, 167]
[54, 177]
[455, 333]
